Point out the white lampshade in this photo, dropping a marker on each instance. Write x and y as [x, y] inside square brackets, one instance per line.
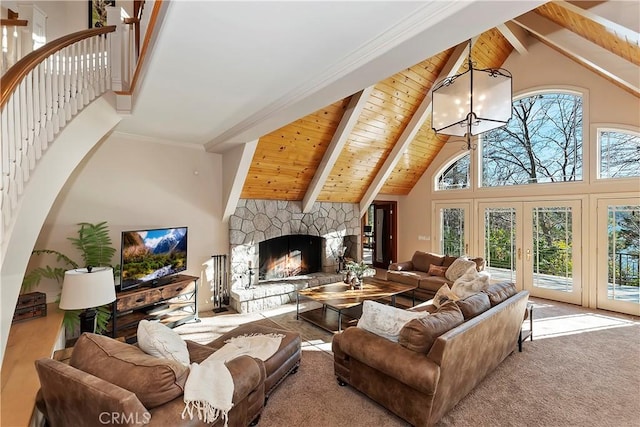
[82, 289]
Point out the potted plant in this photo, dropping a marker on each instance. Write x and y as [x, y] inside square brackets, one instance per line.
[94, 244]
[355, 272]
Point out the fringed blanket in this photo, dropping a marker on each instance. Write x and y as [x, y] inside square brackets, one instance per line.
[209, 389]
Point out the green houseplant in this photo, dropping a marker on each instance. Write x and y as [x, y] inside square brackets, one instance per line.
[94, 244]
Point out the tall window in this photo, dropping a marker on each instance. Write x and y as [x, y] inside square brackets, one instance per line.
[541, 143]
[456, 175]
[619, 153]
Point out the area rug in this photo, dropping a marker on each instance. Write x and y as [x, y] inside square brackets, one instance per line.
[581, 369]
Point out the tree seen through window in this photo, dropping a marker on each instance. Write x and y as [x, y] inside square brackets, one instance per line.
[541, 143]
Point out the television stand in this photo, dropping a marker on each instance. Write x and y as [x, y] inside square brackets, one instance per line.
[172, 303]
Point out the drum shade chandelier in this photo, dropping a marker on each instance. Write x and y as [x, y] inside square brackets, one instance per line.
[471, 103]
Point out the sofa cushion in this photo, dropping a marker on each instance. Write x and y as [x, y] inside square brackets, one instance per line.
[385, 320]
[443, 295]
[499, 292]
[422, 260]
[437, 270]
[155, 381]
[459, 267]
[157, 339]
[407, 277]
[448, 260]
[433, 283]
[420, 334]
[474, 305]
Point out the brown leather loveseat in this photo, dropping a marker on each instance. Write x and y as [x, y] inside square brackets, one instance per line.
[438, 359]
[427, 271]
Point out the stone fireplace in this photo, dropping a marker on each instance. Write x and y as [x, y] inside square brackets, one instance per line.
[332, 226]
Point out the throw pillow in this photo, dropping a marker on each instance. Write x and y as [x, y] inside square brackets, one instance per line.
[385, 320]
[443, 295]
[458, 268]
[499, 292]
[474, 305]
[437, 270]
[471, 282]
[420, 334]
[159, 340]
[422, 260]
[154, 381]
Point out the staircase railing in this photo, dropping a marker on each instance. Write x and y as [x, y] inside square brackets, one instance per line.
[45, 89]
[39, 95]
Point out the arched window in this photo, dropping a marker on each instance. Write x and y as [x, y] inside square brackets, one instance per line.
[618, 153]
[541, 143]
[456, 175]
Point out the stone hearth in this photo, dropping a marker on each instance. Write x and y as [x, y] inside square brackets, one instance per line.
[272, 294]
[257, 220]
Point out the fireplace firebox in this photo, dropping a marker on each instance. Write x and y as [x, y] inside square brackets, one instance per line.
[290, 255]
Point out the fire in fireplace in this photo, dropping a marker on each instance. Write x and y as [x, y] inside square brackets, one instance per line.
[288, 256]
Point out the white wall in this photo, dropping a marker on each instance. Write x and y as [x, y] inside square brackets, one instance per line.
[542, 67]
[134, 184]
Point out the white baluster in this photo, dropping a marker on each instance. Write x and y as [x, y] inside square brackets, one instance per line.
[86, 71]
[67, 83]
[4, 154]
[42, 79]
[73, 90]
[36, 113]
[61, 70]
[55, 90]
[90, 69]
[49, 98]
[101, 62]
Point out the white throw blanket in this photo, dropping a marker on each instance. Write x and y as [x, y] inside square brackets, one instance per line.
[471, 282]
[209, 388]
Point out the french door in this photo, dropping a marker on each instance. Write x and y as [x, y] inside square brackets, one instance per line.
[618, 243]
[453, 228]
[536, 245]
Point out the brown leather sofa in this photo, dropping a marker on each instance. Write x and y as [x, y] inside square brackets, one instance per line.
[419, 272]
[111, 382]
[434, 364]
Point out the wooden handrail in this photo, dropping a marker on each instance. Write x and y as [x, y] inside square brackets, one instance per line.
[19, 71]
[155, 12]
[14, 22]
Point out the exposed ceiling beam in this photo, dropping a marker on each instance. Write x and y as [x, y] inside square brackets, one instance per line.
[348, 121]
[457, 58]
[583, 51]
[621, 17]
[515, 35]
[235, 167]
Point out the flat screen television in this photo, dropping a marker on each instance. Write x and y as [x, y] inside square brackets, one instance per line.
[150, 257]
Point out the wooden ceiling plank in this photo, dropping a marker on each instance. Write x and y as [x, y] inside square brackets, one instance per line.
[456, 60]
[235, 167]
[349, 120]
[583, 51]
[516, 35]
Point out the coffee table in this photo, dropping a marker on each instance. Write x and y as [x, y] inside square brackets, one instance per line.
[341, 304]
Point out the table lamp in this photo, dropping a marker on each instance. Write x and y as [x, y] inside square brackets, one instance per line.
[85, 289]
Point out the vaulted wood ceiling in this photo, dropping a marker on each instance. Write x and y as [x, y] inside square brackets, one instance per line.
[380, 141]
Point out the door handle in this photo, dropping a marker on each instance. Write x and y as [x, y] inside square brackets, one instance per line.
[528, 254]
[466, 248]
[519, 253]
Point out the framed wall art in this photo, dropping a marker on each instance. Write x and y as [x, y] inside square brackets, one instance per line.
[98, 12]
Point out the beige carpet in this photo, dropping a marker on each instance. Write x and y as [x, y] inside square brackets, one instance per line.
[581, 369]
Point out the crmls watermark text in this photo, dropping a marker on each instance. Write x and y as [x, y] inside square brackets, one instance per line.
[116, 418]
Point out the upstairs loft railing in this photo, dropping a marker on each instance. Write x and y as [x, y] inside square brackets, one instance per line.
[39, 95]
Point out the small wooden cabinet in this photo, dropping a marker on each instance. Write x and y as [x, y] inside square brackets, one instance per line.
[172, 304]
